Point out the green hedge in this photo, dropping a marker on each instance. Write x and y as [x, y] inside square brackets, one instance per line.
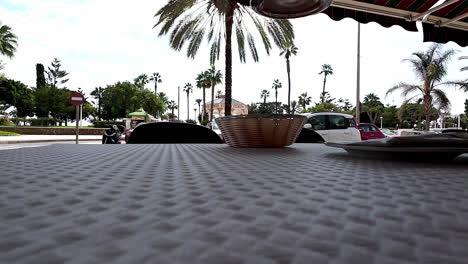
[106, 124]
[43, 121]
[4, 121]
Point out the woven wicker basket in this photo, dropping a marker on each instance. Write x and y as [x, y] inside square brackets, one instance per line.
[260, 131]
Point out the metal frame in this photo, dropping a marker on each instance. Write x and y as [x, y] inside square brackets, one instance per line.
[455, 23]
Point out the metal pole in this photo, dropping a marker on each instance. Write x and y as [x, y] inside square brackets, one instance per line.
[178, 103]
[358, 80]
[459, 124]
[81, 115]
[381, 122]
[77, 121]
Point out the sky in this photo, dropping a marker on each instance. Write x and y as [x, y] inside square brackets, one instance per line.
[106, 41]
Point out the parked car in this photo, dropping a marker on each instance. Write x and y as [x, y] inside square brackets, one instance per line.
[370, 131]
[213, 126]
[130, 130]
[333, 127]
[388, 133]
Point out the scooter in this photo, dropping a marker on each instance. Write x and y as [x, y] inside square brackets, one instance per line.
[112, 135]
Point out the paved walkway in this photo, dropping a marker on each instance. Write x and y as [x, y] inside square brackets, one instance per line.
[211, 204]
[45, 138]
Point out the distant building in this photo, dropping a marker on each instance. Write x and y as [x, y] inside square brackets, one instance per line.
[237, 108]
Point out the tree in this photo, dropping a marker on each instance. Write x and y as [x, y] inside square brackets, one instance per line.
[276, 85]
[295, 107]
[326, 70]
[97, 94]
[304, 100]
[8, 41]
[156, 78]
[219, 94]
[288, 50]
[430, 68]
[55, 75]
[141, 80]
[346, 105]
[171, 105]
[17, 94]
[198, 101]
[214, 77]
[40, 76]
[188, 88]
[203, 83]
[264, 94]
[190, 21]
[373, 107]
[326, 97]
[466, 107]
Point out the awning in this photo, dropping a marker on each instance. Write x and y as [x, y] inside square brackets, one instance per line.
[445, 22]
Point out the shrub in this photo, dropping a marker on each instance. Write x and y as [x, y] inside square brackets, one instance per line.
[4, 121]
[204, 122]
[190, 121]
[43, 121]
[106, 124]
[18, 120]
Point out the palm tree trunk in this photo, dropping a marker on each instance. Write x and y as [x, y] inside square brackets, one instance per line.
[204, 104]
[323, 93]
[289, 86]
[276, 101]
[228, 79]
[428, 109]
[156, 88]
[264, 99]
[212, 101]
[199, 108]
[188, 108]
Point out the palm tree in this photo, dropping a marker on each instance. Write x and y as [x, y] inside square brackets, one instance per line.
[326, 70]
[188, 88]
[464, 58]
[288, 50]
[141, 80]
[276, 85]
[190, 21]
[203, 83]
[304, 100]
[219, 94]
[430, 68]
[8, 41]
[171, 105]
[295, 107]
[97, 94]
[198, 101]
[214, 77]
[264, 94]
[156, 78]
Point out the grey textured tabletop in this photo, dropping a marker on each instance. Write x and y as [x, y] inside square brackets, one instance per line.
[307, 203]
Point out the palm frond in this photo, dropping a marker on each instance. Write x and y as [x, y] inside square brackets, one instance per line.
[405, 87]
[440, 98]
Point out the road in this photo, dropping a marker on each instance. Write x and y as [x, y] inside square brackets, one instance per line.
[35, 145]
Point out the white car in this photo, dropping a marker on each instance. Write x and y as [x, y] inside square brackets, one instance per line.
[333, 127]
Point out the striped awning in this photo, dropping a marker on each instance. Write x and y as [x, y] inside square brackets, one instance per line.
[442, 22]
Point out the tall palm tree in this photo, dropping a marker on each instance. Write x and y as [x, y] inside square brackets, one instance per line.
[288, 50]
[97, 94]
[264, 94]
[171, 105]
[326, 70]
[156, 78]
[276, 85]
[214, 77]
[141, 80]
[430, 68]
[203, 83]
[188, 88]
[198, 101]
[190, 21]
[304, 100]
[8, 41]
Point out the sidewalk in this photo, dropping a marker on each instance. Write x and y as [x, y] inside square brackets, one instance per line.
[46, 138]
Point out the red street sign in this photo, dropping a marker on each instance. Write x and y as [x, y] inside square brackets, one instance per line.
[76, 98]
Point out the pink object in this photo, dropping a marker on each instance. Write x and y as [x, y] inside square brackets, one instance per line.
[370, 131]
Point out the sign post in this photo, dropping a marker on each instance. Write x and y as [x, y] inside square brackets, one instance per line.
[77, 99]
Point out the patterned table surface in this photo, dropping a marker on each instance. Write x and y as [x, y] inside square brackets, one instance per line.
[307, 203]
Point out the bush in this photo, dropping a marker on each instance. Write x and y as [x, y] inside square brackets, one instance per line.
[18, 120]
[106, 124]
[43, 121]
[4, 121]
[204, 122]
[190, 121]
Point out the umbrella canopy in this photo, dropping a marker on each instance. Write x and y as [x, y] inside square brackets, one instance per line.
[140, 113]
[445, 22]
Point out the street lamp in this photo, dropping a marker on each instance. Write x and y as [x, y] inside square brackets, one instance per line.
[381, 121]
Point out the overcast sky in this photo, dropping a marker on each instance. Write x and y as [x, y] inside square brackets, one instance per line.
[102, 42]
